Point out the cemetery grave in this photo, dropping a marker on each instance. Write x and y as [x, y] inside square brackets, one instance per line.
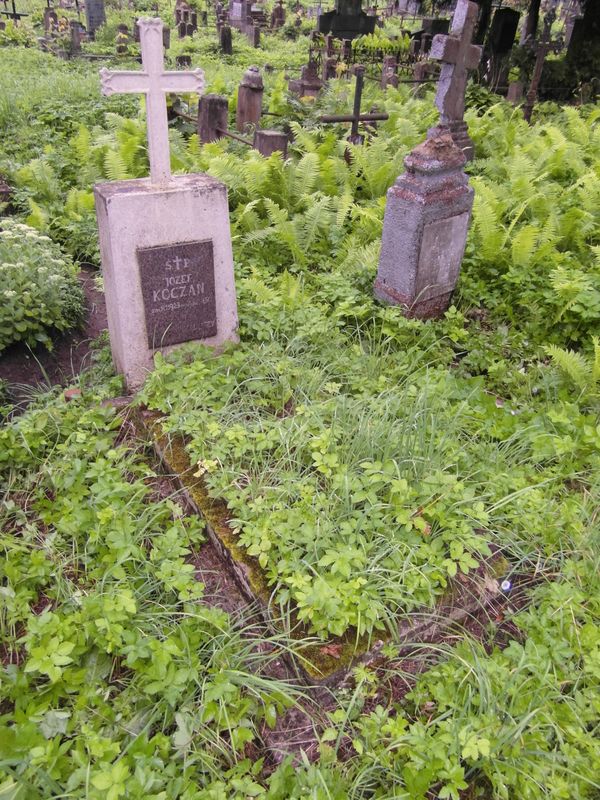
[299, 401]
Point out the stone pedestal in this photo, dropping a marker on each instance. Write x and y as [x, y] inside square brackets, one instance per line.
[268, 142]
[515, 92]
[213, 117]
[168, 268]
[249, 100]
[425, 229]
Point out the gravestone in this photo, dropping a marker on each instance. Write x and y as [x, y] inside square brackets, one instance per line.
[6, 194]
[50, 20]
[249, 99]
[425, 229]
[308, 84]
[77, 35]
[347, 20]
[428, 209]
[503, 31]
[458, 56]
[225, 40]
[165, 241]
[329, 68]
[278, 16]
[95, 16]
[515, 92]
[389, 72]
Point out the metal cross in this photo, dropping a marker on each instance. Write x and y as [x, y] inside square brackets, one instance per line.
[155, 83]
[458, 55]
[356, 117]
[14, 14]
[544, 46]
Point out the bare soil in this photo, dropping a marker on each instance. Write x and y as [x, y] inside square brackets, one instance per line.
[22, 367]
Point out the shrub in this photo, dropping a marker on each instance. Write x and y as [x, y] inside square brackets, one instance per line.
[39, 290]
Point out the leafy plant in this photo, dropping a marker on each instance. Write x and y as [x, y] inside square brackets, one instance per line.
[39, 287]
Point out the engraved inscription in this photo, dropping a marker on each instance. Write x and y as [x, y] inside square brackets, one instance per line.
[178, 287]
[442, 249]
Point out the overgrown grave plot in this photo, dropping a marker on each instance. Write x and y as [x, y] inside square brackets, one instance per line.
[114, 604]
[303, 451]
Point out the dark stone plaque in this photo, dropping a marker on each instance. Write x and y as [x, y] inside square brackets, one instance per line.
[178, 287]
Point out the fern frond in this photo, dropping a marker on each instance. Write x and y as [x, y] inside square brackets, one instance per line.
[115, 168]
[523, 245]
[306, 175]
[572, 364]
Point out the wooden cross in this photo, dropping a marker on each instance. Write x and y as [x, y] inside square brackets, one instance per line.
[155, 83]
[356, 117]
[458, 55]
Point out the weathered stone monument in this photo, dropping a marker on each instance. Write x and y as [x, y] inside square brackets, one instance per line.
[249, 99]
[308, 84]
[347, 20]
[389, 72]
[165, 241]
[95, 16]
[278, 16]
[458, 55]
[428, 209]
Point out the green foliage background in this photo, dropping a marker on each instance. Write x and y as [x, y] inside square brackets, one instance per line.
[368, 462]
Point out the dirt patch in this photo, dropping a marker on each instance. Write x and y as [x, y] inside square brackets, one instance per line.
[22, 367]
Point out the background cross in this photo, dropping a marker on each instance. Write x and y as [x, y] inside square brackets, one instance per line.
[542, 48]
[155, 83]
[356, 117]
[14, 14]
[458, 55]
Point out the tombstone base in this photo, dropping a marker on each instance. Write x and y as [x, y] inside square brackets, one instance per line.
[460, 136]
[413, 309]
[168, 268]
[425, 229]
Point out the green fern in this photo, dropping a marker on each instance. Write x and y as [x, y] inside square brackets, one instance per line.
[115, 168]
[583, 372]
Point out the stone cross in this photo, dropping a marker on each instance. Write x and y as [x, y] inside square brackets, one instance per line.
[155, 83]
[458, 56]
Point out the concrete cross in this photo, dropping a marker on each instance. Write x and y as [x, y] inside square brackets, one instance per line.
[155, 83]
[458, 56]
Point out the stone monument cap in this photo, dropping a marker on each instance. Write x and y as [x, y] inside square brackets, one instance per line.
[252, 78]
